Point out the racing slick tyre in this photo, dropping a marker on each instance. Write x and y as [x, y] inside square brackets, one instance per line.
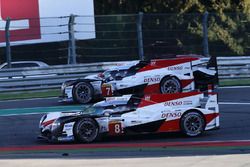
[83, 92]
[192, 124]
[86, 130]
[170, 85]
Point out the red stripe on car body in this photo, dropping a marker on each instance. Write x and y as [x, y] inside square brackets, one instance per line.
[170, 126]
[210, 117]
[154, 88]
[174, 125]
[186, 82]
[162, 63]
[159, 98]
[48, 122]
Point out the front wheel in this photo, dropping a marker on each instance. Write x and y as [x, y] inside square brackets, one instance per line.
[170, 85]
[83, 93]
[86, 130]
[192, 124]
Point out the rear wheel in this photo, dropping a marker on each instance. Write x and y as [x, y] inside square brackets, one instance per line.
[170, 85]
[86, 130]
[83, 92]
[192, 124]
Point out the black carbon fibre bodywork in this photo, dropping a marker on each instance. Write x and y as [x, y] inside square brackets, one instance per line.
[143, 128]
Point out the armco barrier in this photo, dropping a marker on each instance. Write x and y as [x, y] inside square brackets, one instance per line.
[52, 77]
[19, 79]
[232, 68]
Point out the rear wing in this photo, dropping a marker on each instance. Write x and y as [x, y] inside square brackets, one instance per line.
[206, 62]
[205, 100]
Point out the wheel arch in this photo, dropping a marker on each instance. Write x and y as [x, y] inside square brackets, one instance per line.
[85, 82]
[172, 76]
[79, 119]
[193, 110]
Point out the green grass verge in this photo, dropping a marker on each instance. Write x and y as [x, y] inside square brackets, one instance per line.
[30, 94]
[242, 82]
[56, 92]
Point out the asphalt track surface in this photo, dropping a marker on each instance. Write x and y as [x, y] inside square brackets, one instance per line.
[21, 130]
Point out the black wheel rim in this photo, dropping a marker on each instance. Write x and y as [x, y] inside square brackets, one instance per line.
[193, 125]
[83, 93]
[170, 86]
[87, 131]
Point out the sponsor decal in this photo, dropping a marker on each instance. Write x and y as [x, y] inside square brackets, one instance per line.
[152, 79]
[117, 98]
[123, 85]
[68, 127]
[136, 122]
[171, 115]
[147, 98]
[67, 138]
[103, 129]
[173, 103]
[177, 103]
[187, 102]
[173, 68]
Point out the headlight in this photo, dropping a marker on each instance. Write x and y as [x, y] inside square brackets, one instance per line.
[55, 125]
[67, 83]
[63, 86]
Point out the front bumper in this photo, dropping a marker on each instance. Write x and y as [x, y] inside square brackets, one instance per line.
[65, 100]
[52, 138]
[67, 94]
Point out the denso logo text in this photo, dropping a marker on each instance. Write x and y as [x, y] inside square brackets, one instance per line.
[173, 103]
[171, 115]
[152, 79]
[175, 68]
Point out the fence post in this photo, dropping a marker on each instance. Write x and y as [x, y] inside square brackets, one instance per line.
[7, 39]
[205, 34]
[139, 36]
[72, 42]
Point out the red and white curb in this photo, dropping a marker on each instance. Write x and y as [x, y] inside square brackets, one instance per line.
[232, 143]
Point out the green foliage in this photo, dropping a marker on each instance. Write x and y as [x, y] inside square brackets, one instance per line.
[228, 20]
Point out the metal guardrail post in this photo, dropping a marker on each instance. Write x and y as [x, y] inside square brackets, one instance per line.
[7, 39]
[140, 36]
[205, 34]
[72, 42]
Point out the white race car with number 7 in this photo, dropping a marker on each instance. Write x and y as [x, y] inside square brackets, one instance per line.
[163, 76]
[191, 113]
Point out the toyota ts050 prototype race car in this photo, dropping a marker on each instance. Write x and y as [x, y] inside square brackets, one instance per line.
[140, 77]
[190, 113]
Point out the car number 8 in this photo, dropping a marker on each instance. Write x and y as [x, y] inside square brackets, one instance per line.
[117, 128]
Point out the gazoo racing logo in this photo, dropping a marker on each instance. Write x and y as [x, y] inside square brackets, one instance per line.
[173, 103]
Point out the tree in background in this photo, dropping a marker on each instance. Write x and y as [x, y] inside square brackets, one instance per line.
[229, 20]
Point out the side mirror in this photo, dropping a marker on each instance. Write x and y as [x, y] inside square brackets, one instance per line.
[107, 112]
